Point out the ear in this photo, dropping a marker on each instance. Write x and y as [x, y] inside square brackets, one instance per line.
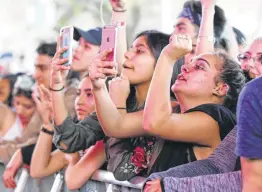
[221, 89]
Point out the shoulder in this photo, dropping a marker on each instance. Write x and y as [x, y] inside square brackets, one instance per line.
[216, 111]
[223, 116]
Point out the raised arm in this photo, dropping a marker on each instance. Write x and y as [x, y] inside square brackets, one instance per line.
[158, 117]
[44, 165]
[119, 17]
[111, 108]
[205, 41]
[58, 75]
[79, 172]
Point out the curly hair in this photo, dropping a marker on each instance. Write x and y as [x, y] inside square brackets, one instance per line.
[231, 74]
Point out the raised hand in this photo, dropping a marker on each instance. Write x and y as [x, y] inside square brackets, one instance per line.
[179, 46]
[208, 3]
[118, 5]
[44, 104]
[99, 69]
[59, 71]
[119, 89]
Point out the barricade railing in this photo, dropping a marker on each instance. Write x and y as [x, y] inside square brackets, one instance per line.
[22, 180]
[108, 177]
[99, 175]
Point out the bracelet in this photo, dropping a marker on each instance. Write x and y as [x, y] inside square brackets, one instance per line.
[56, 89]
[47, 131]
[121, 108]
[120, 11]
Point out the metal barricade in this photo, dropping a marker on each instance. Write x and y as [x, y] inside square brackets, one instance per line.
[108, 177]
[102, 176]
[22, 180]
[58, 183]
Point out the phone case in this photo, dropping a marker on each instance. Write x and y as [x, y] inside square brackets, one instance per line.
[109, 41]
[67, 34]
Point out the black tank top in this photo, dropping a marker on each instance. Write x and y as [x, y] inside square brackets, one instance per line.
[179, 153]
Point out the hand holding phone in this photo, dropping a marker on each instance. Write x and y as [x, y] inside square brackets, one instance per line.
[109, 40]
[67, 34]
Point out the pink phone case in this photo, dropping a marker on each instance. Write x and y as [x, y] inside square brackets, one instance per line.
[109, 36]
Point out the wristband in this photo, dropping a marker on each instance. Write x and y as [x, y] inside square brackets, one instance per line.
[119, 23]
[121, 108]
[120, 11]
[56, 90]
[47, 131]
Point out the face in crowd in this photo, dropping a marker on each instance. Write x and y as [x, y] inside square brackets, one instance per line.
[251, 59]
[83, 55]
[84, 103]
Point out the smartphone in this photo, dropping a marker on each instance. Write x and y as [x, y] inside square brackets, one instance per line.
[67, 34]
[109, 41]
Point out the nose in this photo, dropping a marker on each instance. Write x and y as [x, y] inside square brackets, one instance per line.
[129, 54]
[81, 99]
[251, 62]
[37, 74]
[185, 69]
[19, 109]
[78, 49]
[244, 66]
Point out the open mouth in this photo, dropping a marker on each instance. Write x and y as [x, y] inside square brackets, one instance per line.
[126, 67]
[181, 77]
[80, 111]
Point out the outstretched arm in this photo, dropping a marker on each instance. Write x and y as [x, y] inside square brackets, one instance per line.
[205, 41]
[78, 173]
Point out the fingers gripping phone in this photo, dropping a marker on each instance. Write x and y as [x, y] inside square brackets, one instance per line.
[67, 34]
[109, 41]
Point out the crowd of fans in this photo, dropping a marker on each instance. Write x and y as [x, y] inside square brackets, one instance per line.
[182, 110]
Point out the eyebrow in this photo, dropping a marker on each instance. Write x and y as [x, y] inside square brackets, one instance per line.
[247, 53]
[140, 45]
[85, 90]
[41, 65]
[179, 24]
[259, 53]
[201, 59]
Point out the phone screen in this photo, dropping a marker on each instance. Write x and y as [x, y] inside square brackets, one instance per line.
[66, 41]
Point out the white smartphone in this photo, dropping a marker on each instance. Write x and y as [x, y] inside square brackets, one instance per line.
[67, 34]
[109, 41]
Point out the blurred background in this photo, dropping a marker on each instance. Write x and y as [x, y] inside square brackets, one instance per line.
[25, 23]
